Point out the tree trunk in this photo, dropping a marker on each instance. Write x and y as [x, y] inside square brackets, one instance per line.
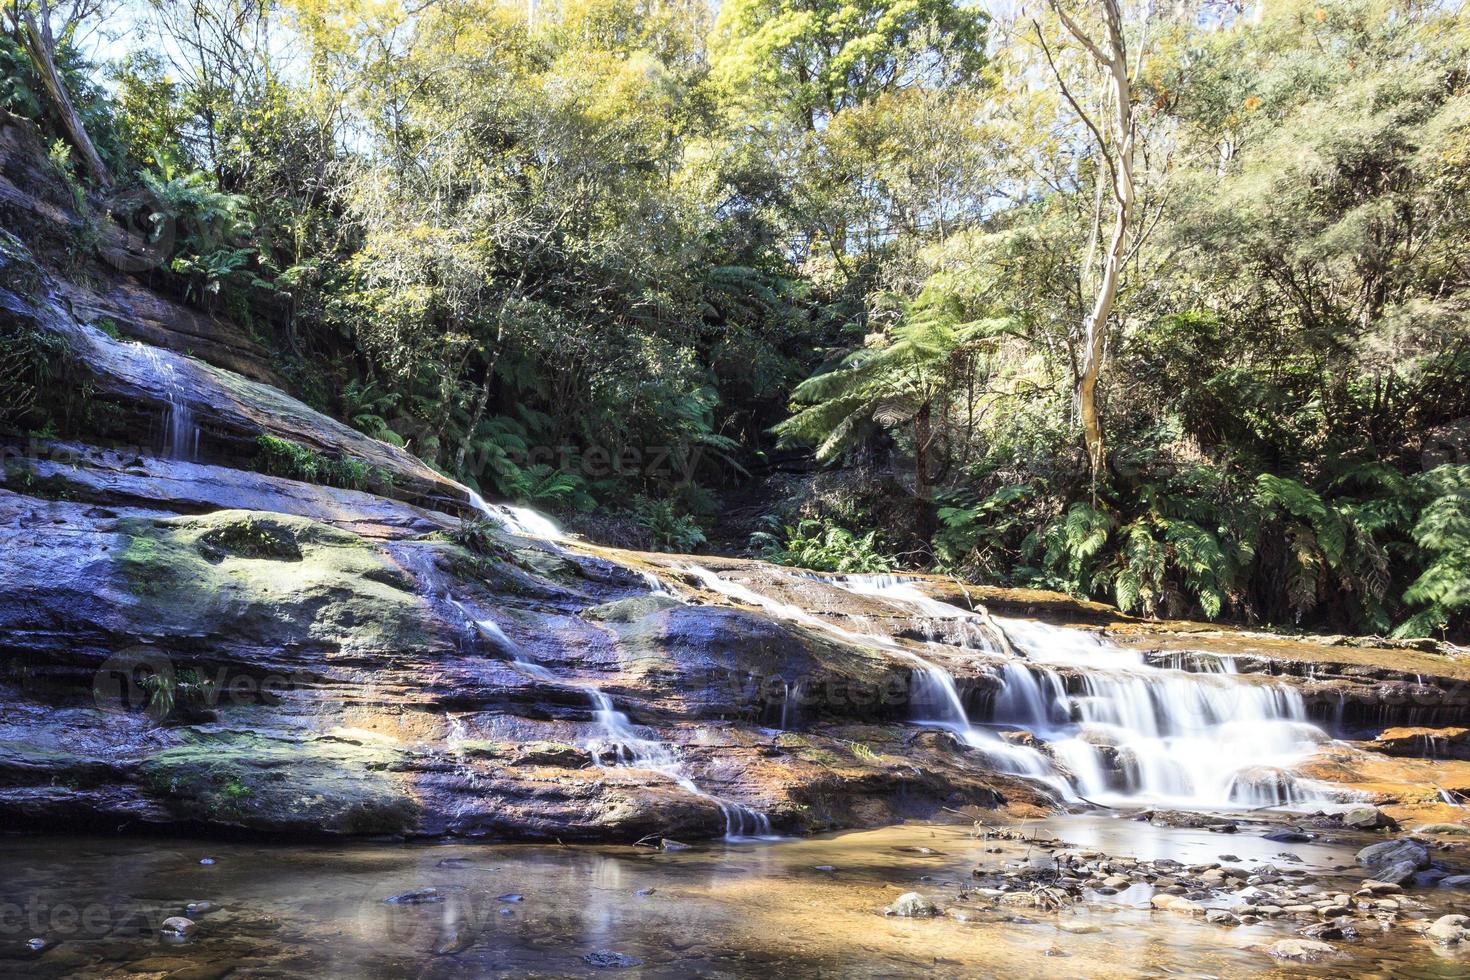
[923, 436]
[1096, 339]
[36, 38]
[1117, 152]
[481, 400]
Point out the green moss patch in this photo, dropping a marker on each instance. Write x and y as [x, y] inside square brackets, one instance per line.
[272, 580]
[282, 784]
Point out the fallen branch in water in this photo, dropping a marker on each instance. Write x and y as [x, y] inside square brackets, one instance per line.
[978, 608]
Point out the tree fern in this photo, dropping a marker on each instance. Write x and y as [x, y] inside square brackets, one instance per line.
[1442, 533]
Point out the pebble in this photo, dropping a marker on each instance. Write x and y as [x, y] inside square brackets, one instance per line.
[1299, 949]
[912, 905]
[605, 959]
[206, 861]
[177, 925]
[422, 896]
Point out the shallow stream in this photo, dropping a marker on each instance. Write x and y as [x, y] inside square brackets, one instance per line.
[808, 907]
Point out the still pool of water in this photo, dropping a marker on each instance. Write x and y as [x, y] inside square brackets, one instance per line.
[808, 907]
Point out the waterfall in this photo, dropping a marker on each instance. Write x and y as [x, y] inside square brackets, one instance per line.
[1117, 729]
[517, 520]
[933, 694]
[619, 742]
[1129, 731]
[181, 435]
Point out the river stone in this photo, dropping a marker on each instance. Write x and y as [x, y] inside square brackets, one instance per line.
[1455, 881]
[1444, 829]
[177, 925]
[1394, 861]
[912, 905]
[1367, 818]
[421, 896]
[1448, 929]
[1343, 928]
[1299, 949]
[1288, 837]
[1377, 887]
[605, 959]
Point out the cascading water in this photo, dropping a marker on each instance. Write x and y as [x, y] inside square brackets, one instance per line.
[1128, 730]
[934, 699]
[181, 435]
[517, 520]
[620, 743]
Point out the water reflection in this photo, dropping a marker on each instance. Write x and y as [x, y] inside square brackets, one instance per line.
[799, 908]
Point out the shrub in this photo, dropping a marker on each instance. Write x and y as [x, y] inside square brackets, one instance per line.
[823, 547]
[667, 528]
[282, 457]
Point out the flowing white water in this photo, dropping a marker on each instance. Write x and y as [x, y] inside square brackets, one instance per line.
[181, 435]
[1123, 730]
[934, 699]
[517, 520]
[1128, 730]
[619, 741]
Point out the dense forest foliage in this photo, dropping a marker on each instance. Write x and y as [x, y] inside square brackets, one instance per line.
[631, 257]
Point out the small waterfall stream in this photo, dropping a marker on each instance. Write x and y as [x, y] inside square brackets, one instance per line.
[932, 690]
[517, 520]
[619, 742]
[1118, 730]
[181, 434]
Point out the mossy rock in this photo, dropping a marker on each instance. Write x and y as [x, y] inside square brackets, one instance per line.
[267, 580]
[282, 784]
[630, 610]
[250, 537]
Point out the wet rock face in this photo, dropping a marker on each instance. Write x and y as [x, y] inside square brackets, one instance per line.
[270, 672]
[1435, 743]
[132, 389]
[732, 663]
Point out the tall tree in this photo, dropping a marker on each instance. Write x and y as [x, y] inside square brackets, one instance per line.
[33, 30]
[1116, 141]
